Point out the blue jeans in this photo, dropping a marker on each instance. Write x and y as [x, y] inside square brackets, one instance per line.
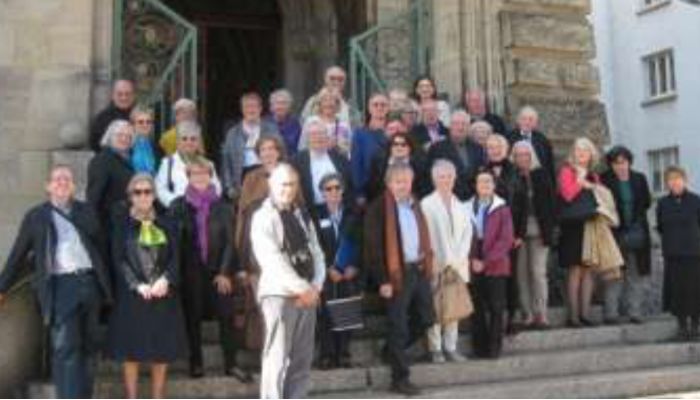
[74, 334]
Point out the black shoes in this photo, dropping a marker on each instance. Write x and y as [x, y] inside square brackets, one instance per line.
[196, 371]
[588, 323]
[405, 388]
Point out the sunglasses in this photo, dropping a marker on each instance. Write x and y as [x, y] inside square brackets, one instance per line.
[142, 192]
[332, 188]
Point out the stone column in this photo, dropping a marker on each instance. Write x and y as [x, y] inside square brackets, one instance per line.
[310, 44]
[446, 66]
[549, 49]
[46, 58]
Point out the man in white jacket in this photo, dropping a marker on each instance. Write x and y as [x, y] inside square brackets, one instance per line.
[293, 270]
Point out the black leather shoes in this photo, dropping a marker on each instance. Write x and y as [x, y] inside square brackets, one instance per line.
[405, 388]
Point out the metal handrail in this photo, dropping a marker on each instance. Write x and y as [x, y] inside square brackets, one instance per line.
[364, 77]
[183, 58]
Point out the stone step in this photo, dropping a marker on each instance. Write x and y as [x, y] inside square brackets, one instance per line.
[654, 383]
[376, 324]
[562, 364]
[366, 351]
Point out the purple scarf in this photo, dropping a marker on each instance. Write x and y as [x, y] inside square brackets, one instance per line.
[202, 201]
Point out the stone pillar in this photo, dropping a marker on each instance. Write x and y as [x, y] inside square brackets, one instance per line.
[446, 66]
[549, 49]
[310, 44]
[46, 58]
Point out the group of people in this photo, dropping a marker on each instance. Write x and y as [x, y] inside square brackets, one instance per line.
[444, 213]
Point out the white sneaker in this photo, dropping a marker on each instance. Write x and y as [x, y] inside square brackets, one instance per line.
[453, 356]
[437, 358]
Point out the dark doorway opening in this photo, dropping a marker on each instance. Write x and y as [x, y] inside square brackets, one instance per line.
[240, 50]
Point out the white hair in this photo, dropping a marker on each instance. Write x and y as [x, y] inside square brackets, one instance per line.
[313, 121]
[528, 110]
[442, 165]
[281, 172]
[188, 128]
[184, 104]
[525, 144]
[281, 94]
[334, 68]
[461, 113]
[140, 109]
[112, 130]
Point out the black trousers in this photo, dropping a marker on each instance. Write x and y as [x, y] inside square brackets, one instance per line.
[334, 345]
[490, 298]
[410, 313]
[74, 336]
[200, 303]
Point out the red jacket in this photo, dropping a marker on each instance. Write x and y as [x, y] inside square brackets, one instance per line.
[498, 239]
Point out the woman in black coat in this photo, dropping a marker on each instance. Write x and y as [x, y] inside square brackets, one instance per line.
[205, 225]
[110, 170]
[400, 148]
[146, 325]
[632, 200]
[534, 205]
[678, 219]
[497, 162]
[338, 233]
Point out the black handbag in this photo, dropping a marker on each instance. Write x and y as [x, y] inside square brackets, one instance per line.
[580, 209]
[633, 237]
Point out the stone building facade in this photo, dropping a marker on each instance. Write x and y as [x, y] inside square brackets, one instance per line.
[55, 71]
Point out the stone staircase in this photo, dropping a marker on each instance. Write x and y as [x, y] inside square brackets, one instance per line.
[607, 361]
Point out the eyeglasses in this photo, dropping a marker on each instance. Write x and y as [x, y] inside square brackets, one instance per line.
[144, 122]
[399, 144]
[332, 188]
[189, 138]
[141, 192]
[379, 104]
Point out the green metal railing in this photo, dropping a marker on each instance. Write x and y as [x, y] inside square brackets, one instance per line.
[390, 54]
[157, 48]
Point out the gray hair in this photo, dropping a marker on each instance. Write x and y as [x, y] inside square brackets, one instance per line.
[461, 113]
[330, 178]
[479, 125]
[184, 104]
[525, 144]
[397, 168]
[334, 68]
[112, 130]
[442, 165]
[140, 109]
[309, 124]
[188, 128]
[281, 94]
[528, 110]
[138, 178]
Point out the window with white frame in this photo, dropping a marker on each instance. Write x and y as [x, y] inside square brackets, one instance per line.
[659, 160]
[661, 74]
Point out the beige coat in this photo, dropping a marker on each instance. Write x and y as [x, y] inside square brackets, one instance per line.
[450, 234]
[600, 250]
